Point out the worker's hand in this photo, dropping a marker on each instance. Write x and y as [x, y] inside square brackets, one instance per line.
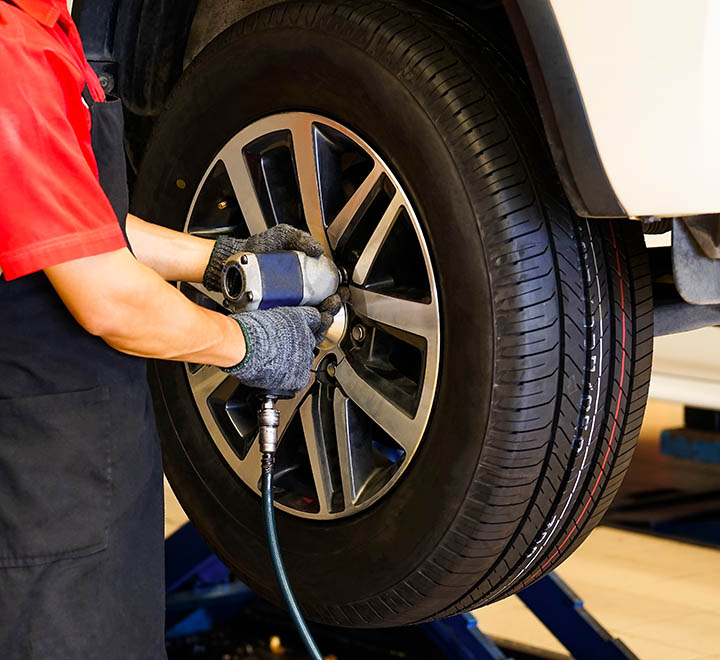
[279, 347]
[279, 237]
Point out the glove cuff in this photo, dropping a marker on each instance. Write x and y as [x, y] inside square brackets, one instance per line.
[224, 248]
[250, 369]
[248, 349]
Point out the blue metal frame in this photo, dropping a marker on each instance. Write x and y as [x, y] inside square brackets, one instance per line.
[187, 556]
[695, 445]
[562, 612]
[200, 592]
[458, 637]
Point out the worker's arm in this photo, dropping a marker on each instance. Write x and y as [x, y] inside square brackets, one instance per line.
[114, 296]
[181, 257]
[174, 255]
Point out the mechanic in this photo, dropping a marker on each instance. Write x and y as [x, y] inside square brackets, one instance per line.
[84, 298]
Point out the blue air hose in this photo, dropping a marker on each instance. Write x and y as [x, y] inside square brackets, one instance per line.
[268, 463]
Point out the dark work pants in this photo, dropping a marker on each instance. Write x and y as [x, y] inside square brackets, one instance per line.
[108, 604]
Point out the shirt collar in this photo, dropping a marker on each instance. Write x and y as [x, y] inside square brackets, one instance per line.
[45, 12]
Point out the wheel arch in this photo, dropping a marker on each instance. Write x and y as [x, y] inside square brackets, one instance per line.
[212, 17]
[135, 47]
[139, 48]
[562, 109]
[538, 42]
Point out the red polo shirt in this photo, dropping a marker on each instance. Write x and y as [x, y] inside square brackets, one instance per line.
[52, 208]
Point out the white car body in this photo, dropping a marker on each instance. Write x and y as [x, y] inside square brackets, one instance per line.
[649, 75]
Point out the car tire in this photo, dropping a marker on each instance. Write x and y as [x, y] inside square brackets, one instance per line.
[545, 318]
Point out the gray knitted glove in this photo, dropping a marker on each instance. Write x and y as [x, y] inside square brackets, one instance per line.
[279, 237]
[280, 345]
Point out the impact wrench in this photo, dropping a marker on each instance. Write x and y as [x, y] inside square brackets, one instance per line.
[262, 281]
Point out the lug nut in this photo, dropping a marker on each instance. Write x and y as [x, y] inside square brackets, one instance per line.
[358, 333]
[244, 260]
[330, 370]
[222, 205]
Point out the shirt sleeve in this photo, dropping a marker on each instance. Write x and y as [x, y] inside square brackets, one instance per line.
[52, 208]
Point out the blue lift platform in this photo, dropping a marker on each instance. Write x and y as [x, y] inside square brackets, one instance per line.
[201, 594]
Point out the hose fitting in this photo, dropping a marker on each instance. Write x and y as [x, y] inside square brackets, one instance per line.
[268, 422]
[268, 463]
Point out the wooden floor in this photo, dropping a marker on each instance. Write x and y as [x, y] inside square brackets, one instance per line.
[662, 598]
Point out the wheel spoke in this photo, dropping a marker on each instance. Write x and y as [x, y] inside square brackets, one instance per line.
[241, 180]
[303, 136]
[413, 317]
[354, 452]
[374, 245]
[250, 469]
[206, 380]
[342, 436]
[396, 423]
[317, 452]
[288, 407]
[358, 202]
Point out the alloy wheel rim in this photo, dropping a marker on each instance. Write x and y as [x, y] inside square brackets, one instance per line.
[350, 435]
